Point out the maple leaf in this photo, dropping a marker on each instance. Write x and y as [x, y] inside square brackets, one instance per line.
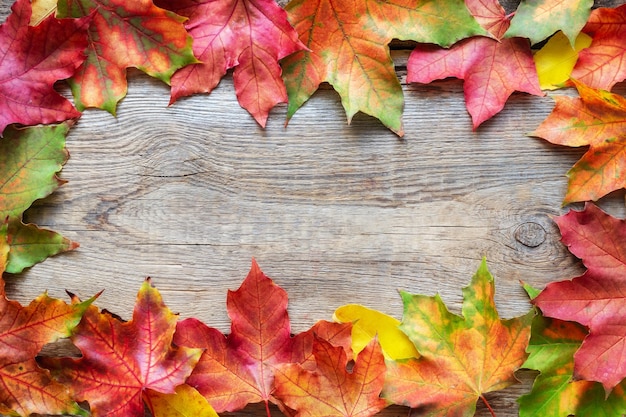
[27, 388]
[348, 49]
[330, 390]
[32, 59]
[556, 59]
[539, 19]
[492, 69]
[249, 35]
[185, 402]
[596, 299]
[125, 34]
[555, 392]
[462, 357]
[603, 64]
[238, 369]
[29, 161]
[120, 360]
[597, 119]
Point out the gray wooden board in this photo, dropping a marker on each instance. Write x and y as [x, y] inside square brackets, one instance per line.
[334, 213]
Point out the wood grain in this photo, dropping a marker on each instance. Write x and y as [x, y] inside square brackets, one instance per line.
[334, 213]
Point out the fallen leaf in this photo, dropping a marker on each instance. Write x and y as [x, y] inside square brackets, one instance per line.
[32, 59]
[27, 388]
[596, 299]
[539, 19]
[368, 324]
[121, 360]
[42, 9]
[330, 390]
[348, 49]
[185, 402]
[121, 35]
[248, 35]
[603, 64]
[556, 59]
[597, 119]
[492, 69]
[30, 158]
[463, 357]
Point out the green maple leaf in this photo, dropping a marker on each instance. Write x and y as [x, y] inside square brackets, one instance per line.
[30, 158]
[348, 49]
[539, 19]
[462, 357]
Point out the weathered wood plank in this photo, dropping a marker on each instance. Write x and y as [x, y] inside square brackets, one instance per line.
[188, 194]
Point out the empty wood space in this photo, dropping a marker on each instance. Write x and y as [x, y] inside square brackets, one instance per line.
[188, 194]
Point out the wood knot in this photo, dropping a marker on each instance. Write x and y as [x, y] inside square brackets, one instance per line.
[530, 234]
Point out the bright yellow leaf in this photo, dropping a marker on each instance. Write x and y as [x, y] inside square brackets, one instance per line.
[368, 323]
[557, 58]
[187, 402]
[41, 10]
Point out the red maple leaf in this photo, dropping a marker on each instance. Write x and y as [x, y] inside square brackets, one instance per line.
[492, 69]
[597, 299]
[238, 369]
[248, 35]
[27, 388]
[603, 64]
[32, 59]
[122, 359]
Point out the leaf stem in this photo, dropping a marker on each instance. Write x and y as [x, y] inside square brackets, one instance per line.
[267, 408]
[493, 413]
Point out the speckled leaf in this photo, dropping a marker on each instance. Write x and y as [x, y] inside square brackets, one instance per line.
[125, 34]
[597, 119]
[348, 49]
[539, 19]
[603, 64]
[120, 360]
[475, 353]
[30, 158]
[247, 35]
[329, 389]
[27, 388]
[597, 298]
[32, 59]
[492, 69]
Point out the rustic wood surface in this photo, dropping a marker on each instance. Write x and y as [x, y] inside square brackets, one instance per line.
[334, 213]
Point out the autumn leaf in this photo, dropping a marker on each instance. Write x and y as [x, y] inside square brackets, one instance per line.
[30, 158]
[330, 390]
[556, 59]
[368, 324]
[248, 35]
[539, 19]
[121, 360]
[603, 64]
[27, 388]
[492, 69]
[595, 299]
[32, 59]
[348, 49]
[597, 119]
[463, 357]
[555, 393]
[125, 34]
[185, 402]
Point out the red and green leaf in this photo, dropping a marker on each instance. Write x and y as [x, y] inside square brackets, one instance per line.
[348, 49]
[597, 298]
[463, 357]
[492, 69]
[603, 64]
[30, 159]
[32, 59]
[597, 119]
[124, 34]
[121, 360]
[247, 35]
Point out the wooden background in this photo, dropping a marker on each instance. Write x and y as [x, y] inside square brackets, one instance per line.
[334, 213]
